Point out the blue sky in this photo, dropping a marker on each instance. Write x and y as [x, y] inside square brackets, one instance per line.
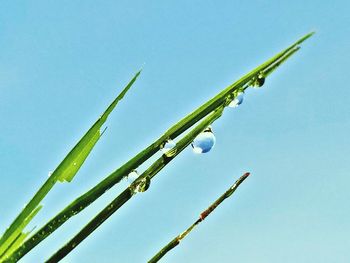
[61, 64]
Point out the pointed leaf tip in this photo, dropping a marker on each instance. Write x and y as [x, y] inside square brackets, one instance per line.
[305, 37]
[139, 72]
[128, 86]
[75, 159]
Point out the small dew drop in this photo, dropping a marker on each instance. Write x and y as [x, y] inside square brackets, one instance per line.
[142, 185]
[133, 175]
[167, 149]
[259, 81]
[204, 142]
[49, 174]
[74, 164]
[237, 100]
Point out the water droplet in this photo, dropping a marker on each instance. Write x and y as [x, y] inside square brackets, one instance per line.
[168, 148]
[142, 185]
[74, 164]
[259, 81]
[204, 142]
[49, 174]
[133, 175]
[237, 100]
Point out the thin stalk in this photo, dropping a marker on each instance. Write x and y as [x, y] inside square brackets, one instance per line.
[129, 192]
[115, 177]
[173, 243]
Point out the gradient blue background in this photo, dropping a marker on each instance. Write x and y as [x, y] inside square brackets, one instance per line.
[61, 64]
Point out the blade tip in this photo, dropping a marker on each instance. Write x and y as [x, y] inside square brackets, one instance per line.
[307, 36]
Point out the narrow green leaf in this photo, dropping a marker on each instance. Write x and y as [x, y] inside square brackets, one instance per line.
[272, 68]
[68, 171]
[18, 236]
[129, 192]
[14, 245]
[73, 161]
[222, 98]
[65, 171]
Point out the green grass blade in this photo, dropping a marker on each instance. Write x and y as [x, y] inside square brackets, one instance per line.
[13, 242]
[176, 241]
[128, 193]
[65, 170]
[272, 68]
[219, 99]
[71, 164]
[14, 245]
[222, 98]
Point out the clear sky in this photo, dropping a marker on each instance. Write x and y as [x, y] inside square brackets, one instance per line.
[62, 63]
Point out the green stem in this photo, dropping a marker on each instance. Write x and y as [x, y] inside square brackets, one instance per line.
[87, 198]
[173, 243]
[129, 192]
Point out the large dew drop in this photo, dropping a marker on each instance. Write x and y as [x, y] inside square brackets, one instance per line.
[204, 142]
[237, 100]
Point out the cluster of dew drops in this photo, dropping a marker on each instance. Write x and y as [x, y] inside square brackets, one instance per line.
[203, 143]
